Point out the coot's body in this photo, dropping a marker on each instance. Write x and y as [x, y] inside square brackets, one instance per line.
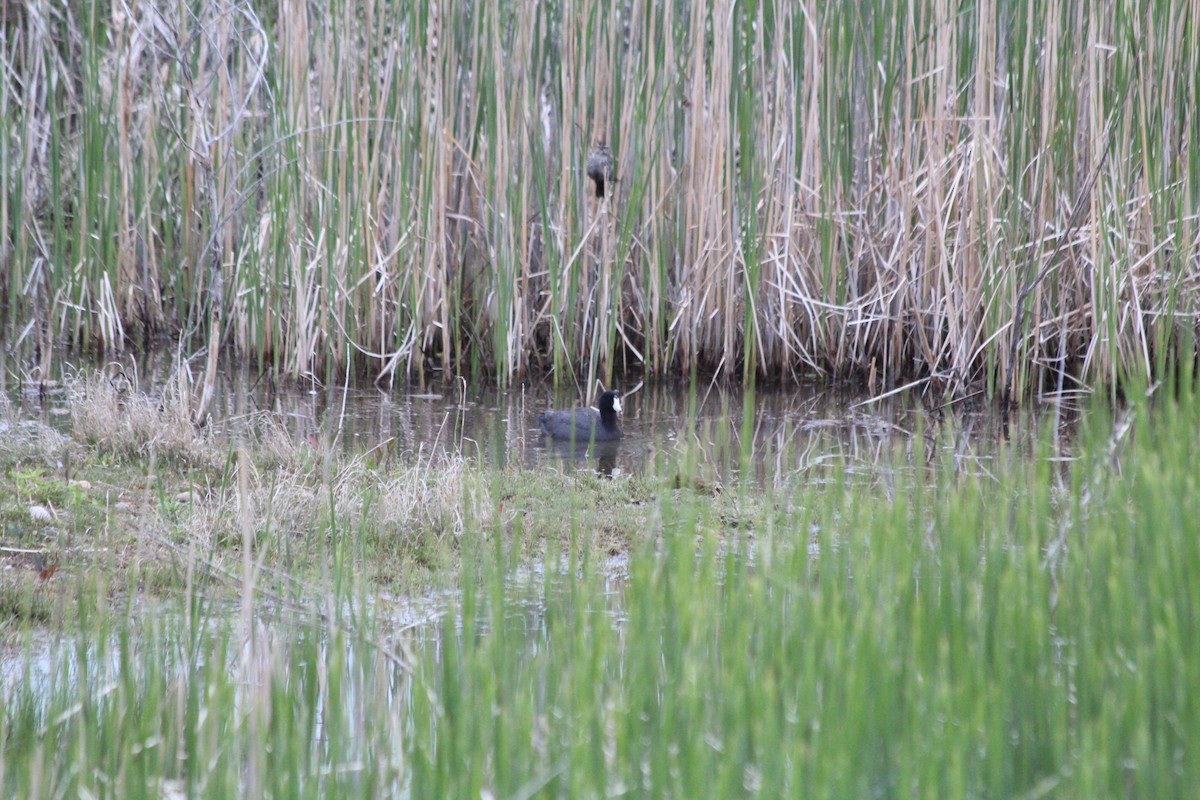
[585, 424]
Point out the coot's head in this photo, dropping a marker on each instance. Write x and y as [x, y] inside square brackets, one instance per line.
[610, 405]
[608, 430]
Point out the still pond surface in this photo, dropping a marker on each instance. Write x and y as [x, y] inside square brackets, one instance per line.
[768, 436]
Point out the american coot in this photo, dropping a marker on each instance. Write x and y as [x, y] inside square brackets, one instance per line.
[585, 424]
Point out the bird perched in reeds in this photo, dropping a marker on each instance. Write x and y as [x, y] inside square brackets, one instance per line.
[600, 166]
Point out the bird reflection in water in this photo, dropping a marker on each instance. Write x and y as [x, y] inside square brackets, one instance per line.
[574, 454]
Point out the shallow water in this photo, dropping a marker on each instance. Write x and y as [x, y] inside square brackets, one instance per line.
[768, 436]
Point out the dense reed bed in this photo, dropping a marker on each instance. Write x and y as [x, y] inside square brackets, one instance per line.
[996, 194]
[1027, 633]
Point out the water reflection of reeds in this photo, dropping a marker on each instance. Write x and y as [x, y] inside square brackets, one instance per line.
[719, 432]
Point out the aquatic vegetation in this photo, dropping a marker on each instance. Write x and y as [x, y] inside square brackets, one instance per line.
[1026, 632]
[996, 195]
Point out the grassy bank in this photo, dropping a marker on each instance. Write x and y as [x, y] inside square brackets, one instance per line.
[998, 194]
[131, 501]
[1021, 633]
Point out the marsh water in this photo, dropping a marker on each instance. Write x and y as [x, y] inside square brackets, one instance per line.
[767, 435]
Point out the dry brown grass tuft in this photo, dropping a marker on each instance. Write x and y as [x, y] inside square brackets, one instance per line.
[110, 414]
[25, 439]
[290, 500]
[435, 500]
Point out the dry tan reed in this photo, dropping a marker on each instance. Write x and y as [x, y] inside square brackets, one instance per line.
[1000, 193]
[109, 413]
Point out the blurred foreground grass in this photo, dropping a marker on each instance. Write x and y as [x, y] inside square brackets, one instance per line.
[1028, 633]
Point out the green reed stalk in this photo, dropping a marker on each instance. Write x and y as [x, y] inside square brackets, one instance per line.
[1020, 632]
[993, 195]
